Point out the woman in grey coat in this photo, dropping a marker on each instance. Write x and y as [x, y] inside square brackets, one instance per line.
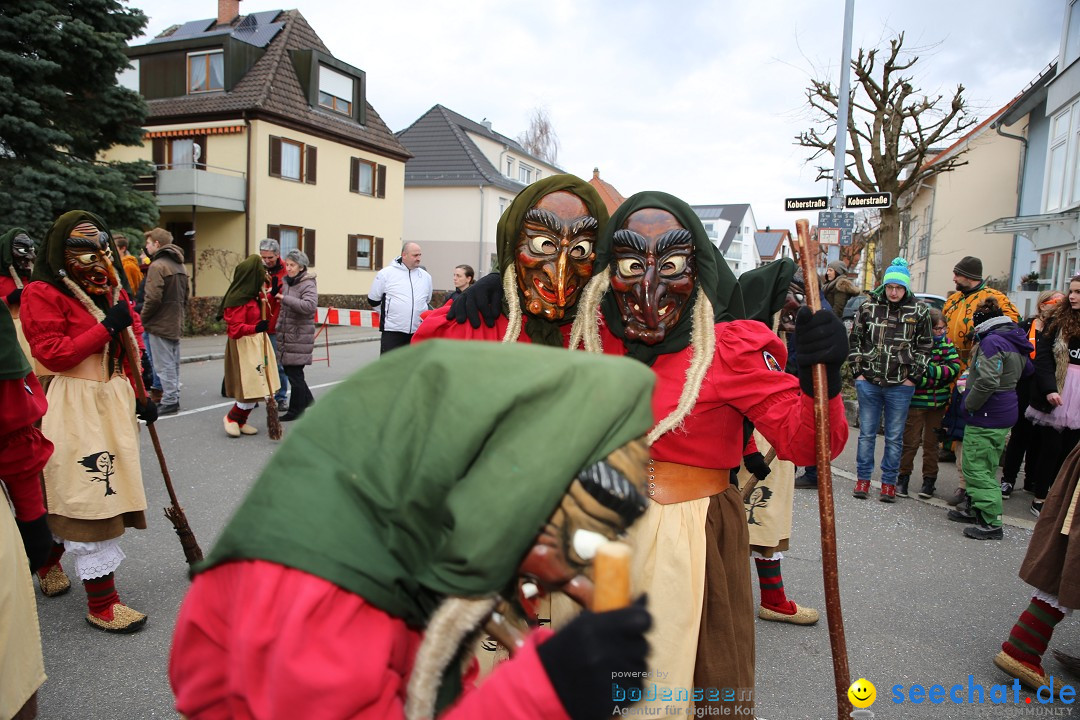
[296, 329]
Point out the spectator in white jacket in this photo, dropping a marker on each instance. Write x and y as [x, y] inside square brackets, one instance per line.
[401, 291]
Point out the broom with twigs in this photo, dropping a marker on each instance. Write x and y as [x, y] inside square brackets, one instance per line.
[273, 423]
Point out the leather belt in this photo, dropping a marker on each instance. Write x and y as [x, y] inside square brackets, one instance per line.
[674, 482]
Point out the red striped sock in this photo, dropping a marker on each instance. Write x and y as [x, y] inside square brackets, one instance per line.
[238, 415]
[54, 559]
[101, 596]
[1031, 634]
[771, 582]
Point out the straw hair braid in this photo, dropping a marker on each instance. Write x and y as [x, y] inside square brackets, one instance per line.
[452, 621]
[513, 318]
[585, 326]
[95, 311]
[703, 341]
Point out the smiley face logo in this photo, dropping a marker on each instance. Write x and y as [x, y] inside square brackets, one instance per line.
[862, 693]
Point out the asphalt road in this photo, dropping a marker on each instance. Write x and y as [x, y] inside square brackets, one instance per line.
[921, 603]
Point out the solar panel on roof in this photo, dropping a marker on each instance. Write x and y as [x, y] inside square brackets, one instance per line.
[258, 35]
[265, 17]
[195, 27]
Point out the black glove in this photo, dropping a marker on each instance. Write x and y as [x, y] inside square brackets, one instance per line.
[819, 338]
[275, 285]
[146, 410]
[483, 298]
[37, 540]
[13, 296]
[147, 370]
[118, 317]
[755, 463]
[261, 326]
[582, 659]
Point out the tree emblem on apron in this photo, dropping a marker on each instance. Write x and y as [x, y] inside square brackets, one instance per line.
[100, 467]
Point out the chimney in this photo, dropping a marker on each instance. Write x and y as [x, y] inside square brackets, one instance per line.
[227, 11]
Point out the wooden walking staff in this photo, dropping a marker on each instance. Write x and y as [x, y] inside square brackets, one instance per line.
[175, 513]
[273, 424]
[841, 674]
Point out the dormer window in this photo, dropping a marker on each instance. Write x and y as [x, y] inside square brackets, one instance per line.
[206, 71]
[335, 90]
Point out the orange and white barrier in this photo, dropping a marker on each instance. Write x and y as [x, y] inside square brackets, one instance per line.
[354, 318]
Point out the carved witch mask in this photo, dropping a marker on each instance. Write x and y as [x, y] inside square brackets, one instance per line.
[23, 254]
[88, 259]
[654, 273]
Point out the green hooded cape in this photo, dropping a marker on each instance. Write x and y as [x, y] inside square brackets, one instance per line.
[49, 266]
[714, 277]
[247, 282]
[7, 257]
[374, 491]
[13, 363]
[542, 331]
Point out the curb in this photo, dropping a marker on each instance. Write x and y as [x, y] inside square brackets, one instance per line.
[220, 355]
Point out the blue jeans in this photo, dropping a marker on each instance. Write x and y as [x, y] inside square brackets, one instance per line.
[873, 400]
[283, 391]
[150, 354]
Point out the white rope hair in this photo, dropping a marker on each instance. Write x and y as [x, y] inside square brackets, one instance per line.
[452, 621]
[703, 342]
[585, 326]
[98, 315]
[510, 292]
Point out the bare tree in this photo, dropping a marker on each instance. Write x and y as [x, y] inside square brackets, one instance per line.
[892, 127]
[540, 139]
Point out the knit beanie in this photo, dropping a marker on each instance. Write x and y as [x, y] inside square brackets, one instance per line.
[969, 267]
[983, 314]
[897, 274]
[839, 268]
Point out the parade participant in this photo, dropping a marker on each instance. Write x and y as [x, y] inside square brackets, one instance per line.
[545, 255]
[73, 315]
[1050, 566]
[691, 545]
[447, 521]
[23, 453]
[17, 255]
[270, 252]
[250, 364]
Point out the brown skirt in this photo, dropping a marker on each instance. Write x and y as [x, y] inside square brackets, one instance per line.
[1052, 563]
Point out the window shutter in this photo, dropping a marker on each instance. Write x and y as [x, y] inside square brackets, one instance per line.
[376, 252]
[200, 140]
[309, 245]
[380, 182]
[273, 232]
[275, 156]
[354, 175]
[159, 153]
[311, 155]
[351, 260]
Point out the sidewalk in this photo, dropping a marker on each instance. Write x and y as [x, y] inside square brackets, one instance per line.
[212, 347]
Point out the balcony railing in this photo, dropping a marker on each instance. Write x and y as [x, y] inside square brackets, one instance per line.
[200, 186]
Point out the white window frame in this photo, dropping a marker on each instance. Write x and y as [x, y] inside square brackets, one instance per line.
[1061, 179]
[525, 174]
[509, 167]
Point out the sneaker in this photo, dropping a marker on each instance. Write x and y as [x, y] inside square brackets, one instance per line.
[927, 491]
[902, 486]
[962, 515]
[956, 497]
[1006, 489]
[888, 493]
[946, 456]
[981, 531]
[1036, 507]
[803, 482]
[862, 489]
[168, 409]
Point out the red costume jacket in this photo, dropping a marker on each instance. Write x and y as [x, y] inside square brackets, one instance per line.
[241, 319]
[7, 285]
[273, 306]
[23, 449]
[436, 324]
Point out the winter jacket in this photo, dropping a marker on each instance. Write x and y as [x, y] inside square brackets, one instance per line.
[296, 323]
[1053, 355]
[838, 292]
[890, 342]
[401, 295]
[935, 386]
[133, 272]
[998, 362]
[958, 311]
[165, 293]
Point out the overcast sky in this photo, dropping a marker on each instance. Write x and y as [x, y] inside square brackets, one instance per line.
[700, 99]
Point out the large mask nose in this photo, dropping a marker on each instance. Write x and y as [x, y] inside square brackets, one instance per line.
[561, 279]
[652, 294]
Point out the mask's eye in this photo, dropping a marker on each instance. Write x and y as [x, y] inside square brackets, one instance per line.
[799, 298]
[673, 265]
[543, 245]
[630, 267]
[581, 250]
[88, 258]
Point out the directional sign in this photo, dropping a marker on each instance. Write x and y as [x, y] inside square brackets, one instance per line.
[869, 200]
[841, 222]
[809, 203]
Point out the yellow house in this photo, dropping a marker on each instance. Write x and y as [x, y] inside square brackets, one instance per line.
[944, 221]
[256, 130]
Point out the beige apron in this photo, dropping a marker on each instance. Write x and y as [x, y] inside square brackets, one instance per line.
[94, 472]
[19, 331]
[22, 669]
[246, 378]
[768, 509]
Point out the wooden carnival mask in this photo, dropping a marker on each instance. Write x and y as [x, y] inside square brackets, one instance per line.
[602, 501]
[555, 254]
[88, 259]
[23, 254]
[654, 274]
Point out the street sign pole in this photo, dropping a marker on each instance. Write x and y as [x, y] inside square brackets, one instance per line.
[837, 200]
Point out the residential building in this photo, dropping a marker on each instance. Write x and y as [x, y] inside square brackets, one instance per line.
[946, 212]
[732, 228]
[256, 130]
[460, 179]
[773, 244]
